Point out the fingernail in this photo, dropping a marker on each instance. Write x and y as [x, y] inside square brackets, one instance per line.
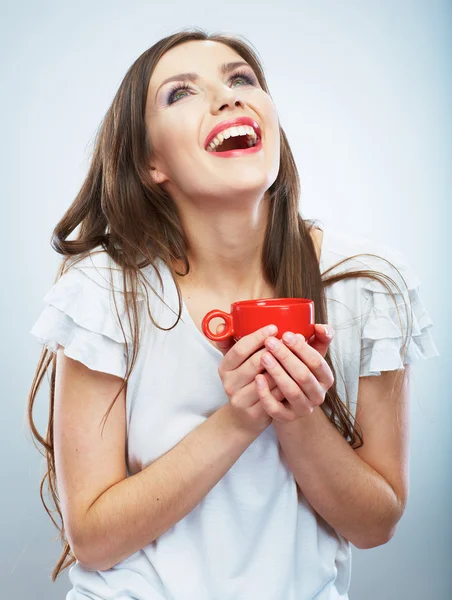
[289, 337]
[270, 330]
[327, 331]
[268, 360]
[260, 381]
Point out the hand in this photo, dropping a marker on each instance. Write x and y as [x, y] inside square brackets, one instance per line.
[301, 374]
[237, 370]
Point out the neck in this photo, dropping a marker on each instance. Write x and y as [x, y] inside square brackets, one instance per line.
[225, 252]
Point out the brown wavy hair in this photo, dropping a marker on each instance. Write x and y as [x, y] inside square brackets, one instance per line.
[122, 210]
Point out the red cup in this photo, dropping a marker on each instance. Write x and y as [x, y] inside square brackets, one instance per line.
[246, 316]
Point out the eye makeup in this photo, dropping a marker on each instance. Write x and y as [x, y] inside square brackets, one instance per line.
[170, 97]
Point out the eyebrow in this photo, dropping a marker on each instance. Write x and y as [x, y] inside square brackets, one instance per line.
[223, 69]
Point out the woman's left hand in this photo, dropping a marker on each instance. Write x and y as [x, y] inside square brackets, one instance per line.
[300, 372]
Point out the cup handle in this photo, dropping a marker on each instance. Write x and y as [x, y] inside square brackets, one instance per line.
[228, 332]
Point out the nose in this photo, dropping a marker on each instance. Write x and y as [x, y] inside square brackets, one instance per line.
[231, 98]
[237, 102]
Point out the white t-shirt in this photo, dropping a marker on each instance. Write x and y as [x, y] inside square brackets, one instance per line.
[253, 536]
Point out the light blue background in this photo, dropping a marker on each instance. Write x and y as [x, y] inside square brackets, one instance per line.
[363, 90]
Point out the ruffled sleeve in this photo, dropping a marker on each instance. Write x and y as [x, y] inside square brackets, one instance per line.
[384, 329]
[80, 315]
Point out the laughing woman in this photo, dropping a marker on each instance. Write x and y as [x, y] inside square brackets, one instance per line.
[190, 470]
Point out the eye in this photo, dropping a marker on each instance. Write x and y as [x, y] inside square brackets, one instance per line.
[173, 95]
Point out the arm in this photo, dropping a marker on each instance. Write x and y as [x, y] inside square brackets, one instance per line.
[361, 493]
[137, 510]
[108, 516]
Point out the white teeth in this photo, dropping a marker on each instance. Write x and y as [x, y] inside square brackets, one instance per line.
[233, 132]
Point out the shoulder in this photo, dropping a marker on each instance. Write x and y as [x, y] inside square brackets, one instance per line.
[79, 315]
[365, 253]
[387, 314]
[100, 269]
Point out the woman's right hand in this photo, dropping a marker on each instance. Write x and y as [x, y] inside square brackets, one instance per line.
[237, 370]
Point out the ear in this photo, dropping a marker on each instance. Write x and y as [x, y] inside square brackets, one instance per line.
[157, 176]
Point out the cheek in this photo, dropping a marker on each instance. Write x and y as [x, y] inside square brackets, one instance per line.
[269, 116]
[175, 148]
[272, 120]
[177, 137]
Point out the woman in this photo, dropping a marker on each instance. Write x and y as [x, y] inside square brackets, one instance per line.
[201, 484]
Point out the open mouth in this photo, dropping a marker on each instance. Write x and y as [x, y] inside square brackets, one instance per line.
[234, 142]
[239, 142]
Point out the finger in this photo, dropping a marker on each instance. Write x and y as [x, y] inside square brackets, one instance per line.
[293, 385]
[224, 345]
[279, 411]
[246, 373]
[246, 346]
[248, 395]
[317, 371]
[270, 381]
[322, 339]
[272, 386]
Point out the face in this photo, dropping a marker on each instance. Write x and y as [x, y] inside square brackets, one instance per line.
[179, 120]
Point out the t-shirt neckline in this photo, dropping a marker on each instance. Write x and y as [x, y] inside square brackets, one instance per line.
[191, 324]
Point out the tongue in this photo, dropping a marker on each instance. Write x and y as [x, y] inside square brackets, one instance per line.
[233, 143]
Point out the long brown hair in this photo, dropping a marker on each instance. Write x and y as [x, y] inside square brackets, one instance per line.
[122, 210]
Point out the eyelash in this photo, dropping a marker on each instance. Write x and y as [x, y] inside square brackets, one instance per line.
[240, 74]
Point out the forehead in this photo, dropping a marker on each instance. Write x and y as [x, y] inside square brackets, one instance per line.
[200, 56]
